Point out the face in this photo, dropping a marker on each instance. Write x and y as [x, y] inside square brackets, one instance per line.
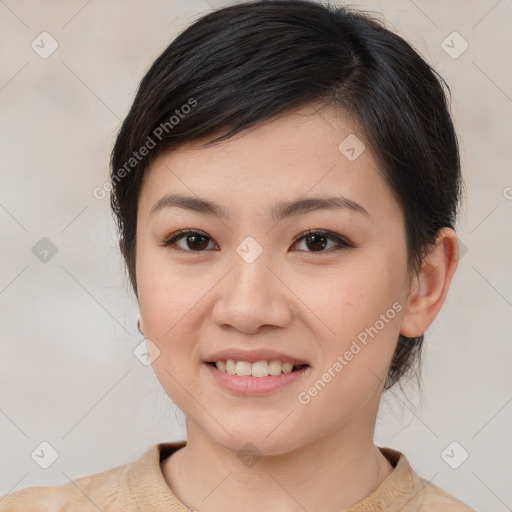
[320, 286]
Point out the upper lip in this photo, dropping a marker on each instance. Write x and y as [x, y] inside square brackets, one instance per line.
[252, 356]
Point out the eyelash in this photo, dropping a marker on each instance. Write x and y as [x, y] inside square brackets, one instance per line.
[175, 237]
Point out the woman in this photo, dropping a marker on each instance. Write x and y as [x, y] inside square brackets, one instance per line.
[286, 186]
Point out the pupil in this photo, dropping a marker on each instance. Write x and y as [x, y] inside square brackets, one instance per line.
[194, 239]
[315, 239]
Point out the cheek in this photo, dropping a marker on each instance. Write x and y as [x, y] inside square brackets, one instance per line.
[170, 305]
[357, 343]
[165, 293]
[356, 313]
[349, 299]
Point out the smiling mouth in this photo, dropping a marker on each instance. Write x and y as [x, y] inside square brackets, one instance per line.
[257, 369]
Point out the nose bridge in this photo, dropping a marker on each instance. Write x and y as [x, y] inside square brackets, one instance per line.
[252, 295]
[251, 278]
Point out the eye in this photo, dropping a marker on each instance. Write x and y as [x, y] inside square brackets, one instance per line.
[319, 240]
[194, 241]
[197, 241]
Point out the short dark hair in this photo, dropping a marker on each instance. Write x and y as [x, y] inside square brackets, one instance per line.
[240, 65]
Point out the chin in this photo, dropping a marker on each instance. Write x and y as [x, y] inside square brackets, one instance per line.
[254, 442]
[254, 446]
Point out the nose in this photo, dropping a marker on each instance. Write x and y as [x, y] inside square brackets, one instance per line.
[252, 296]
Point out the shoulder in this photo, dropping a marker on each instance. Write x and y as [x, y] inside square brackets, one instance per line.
[405, 491]
[434, 499]
[131, 487]
[92, 492]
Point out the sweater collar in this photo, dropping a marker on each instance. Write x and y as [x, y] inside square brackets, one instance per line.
[148, 488]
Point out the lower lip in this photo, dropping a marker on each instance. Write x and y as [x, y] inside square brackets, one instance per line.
[254, 385]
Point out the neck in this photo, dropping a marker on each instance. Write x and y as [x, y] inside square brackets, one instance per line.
[332, 473]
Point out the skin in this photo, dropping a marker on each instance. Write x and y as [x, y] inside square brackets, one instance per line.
[292, 298]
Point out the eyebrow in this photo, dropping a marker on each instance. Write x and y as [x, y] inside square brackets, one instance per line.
[279, 211]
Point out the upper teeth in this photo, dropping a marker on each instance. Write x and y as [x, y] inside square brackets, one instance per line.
[258, 369]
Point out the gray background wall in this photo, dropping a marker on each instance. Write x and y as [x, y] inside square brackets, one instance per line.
[68, 325]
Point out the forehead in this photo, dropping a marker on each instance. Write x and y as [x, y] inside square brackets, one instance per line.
[300, 153]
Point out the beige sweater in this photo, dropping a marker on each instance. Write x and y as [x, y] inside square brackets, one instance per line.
[141, 487]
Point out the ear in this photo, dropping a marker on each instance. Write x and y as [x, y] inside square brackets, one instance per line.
[430, 285]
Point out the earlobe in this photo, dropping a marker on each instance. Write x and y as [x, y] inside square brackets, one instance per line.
[430, 286]
[139, 326]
